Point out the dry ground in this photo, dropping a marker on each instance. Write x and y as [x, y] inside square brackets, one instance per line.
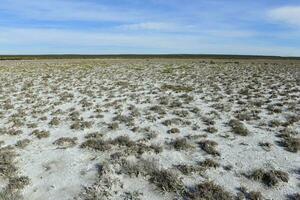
[149, 129]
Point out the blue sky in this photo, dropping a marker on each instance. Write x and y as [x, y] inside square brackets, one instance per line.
[266, 27]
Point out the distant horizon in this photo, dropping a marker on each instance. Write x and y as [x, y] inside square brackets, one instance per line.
[231, 27]
[225, 56]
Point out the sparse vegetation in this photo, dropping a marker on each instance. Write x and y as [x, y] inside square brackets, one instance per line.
[238, 127]
[23, 143]
[270, 178]
[181, 144]
[96, 144]
[166, 180]
[65, 142]
[18, 183]
[149, 128]
[209, 147]
[290, 143]
[40, 134]
[209, 191]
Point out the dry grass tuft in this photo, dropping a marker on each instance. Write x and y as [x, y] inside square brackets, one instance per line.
[290, 143]
[96, 144]
[166, 180]
[10, 195]
[249, 195]
[238, 127]
[209, 163]
[177, 88]
[208, 191]
[181, 144]
[209, 147]
[65, 142]
[18, 183]
[270, 178]
[22, 143]
[7, 162]
[40, 134]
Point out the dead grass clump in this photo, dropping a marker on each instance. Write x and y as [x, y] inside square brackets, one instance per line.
[177, 88]
[248, 115]
[7, 105]
[113, 126]
[123, 141]
[211, 129]
[7, 164]
[123, 119]
[291, 119]
[130, 168]
[181, 113]
[173, 130]
[156, 148]
[188, 169]
[158, 110]
[270, 178]
[22, 143]
[74, 116]
[18, 183]
[150, 135]
[208, 191]
[166, 180]
[275, 123]
[209, 147]
[10, 195]
[94, 135]
[132, 195]
[273, 109]
[55, 121]
[117, 156]
[249, 195]
[209, 163]
[32, 125]
[265, 145]
[103, 188]
[295, 196]
[65, 142]
[290, 143]
[181, 144]
[138, 149]
[14, 132]
[174, 121]
[164, 100]
[40, 134]
[187, 98]
[244, 91]
[44, 118]
[175, 104]
[81, 125]
[208, 121]
[96, 144]
[238, 127]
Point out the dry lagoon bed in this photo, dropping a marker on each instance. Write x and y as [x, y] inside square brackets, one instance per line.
[149, 129]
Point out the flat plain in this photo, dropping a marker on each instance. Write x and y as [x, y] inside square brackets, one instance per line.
[194, 129]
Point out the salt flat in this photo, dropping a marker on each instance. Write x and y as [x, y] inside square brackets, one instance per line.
[149, 129]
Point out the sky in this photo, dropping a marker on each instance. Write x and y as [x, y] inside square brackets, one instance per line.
[265, 27]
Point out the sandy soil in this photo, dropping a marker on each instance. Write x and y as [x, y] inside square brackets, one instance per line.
[149, 129]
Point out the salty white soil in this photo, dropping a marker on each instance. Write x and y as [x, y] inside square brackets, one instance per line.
[149, 129]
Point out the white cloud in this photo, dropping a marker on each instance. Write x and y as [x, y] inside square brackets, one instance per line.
[288, 14]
